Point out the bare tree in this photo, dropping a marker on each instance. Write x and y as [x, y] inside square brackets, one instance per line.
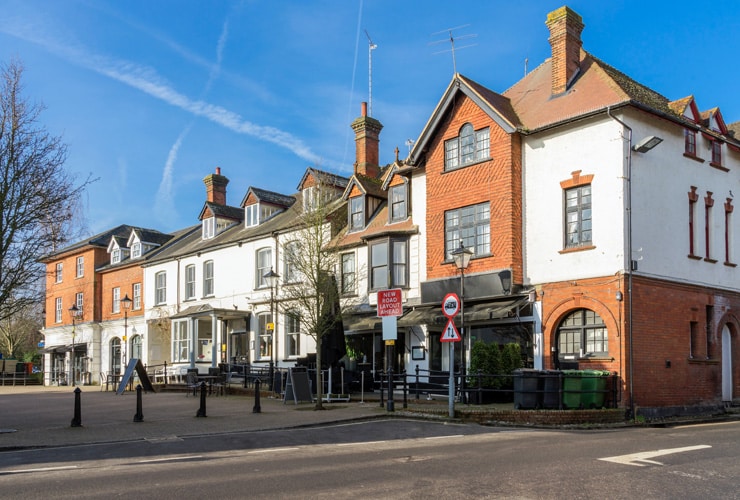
[39, 200]
[313, 295]
[18, 332]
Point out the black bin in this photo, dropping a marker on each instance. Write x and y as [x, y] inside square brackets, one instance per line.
[526, 389]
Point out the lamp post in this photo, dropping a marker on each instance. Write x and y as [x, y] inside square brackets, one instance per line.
[126, 306]
[74, 312]
[461, 256]
[272, 278]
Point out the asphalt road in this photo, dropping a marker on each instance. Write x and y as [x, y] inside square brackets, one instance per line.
[392, 459]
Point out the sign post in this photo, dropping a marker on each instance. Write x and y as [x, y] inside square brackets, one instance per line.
[450, 308]
[390, 306]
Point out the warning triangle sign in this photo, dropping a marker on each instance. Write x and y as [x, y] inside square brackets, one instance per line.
[450, 333]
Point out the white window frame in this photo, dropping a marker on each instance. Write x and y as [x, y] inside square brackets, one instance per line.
[290, 271]
[348, 276]
[136, 250]
[264, 351]
[356, 213]
[263, 263]
[398, 201]
[472, 225]
[180, 341]
[190, 282]
[58, 272]
[116, 296]
[115, 256]
[136, 297]
[160, 288]
[208, 279]
[209, 228]
[292, 322]
[80, 266]
[252, 215]
[58, 310]
[80, 302]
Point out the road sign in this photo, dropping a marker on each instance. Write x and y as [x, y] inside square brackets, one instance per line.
[450, 333]
[390, 302]
[451, 305]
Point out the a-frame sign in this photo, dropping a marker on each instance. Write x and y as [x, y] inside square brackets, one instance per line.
[450, 333]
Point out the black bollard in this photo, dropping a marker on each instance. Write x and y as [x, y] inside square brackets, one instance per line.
[139, 417]
[202, 409]
[77, 420]
[257, 408]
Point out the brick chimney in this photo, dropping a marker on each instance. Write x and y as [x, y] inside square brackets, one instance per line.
[367, 138]
[216, 187]
[565, 40]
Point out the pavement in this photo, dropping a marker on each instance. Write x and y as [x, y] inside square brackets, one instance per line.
[37, 416]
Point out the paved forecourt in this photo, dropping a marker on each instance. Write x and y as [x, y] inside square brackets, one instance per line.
[35, 416]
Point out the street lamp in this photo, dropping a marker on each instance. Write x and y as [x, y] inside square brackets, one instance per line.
[461, 256]
[74, 312]
[272, 279]
[126, 306]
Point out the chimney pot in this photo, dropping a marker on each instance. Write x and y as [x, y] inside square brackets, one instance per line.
[363, 109]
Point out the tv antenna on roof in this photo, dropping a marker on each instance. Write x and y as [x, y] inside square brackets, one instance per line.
[452, 39]
[371, 46]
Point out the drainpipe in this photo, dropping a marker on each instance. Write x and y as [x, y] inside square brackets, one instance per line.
[628, 253]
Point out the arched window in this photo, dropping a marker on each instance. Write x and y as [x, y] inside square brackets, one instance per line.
[582, 333]
[469, 147]
[115, 356]
[136, 347]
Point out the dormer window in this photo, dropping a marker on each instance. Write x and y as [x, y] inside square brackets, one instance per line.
[310, 198]
[115, 256]
[257, 213]
[356, 213]
[469, 147]
[136, 250]
[209, 228]
[398, 206]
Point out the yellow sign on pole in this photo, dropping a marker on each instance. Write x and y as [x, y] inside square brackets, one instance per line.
[390, 342]
[270, 326]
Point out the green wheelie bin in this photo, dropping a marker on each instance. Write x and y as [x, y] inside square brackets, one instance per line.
[572, 386]
[593, 387]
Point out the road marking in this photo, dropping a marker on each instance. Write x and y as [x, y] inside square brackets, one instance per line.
[363, 443]
[272, 450]
[41, 469]
[445, 437]
[645, 456]
[170, 459]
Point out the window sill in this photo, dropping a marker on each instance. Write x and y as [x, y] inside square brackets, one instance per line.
[577, 249]
[599, 358]
[703, 361]
[460, 167]
[693, 157]
[718, 166]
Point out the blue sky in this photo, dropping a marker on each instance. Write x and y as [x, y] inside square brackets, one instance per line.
[152, 95]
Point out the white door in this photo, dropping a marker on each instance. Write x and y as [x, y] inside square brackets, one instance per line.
[726, 364]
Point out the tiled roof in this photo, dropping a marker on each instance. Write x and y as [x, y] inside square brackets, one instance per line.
[102, 240]
[270, 197]
[371, 186]
[234, 213]
[378, 226]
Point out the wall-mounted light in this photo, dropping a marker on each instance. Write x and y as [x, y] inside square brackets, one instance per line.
[647, 144]
[619, 296]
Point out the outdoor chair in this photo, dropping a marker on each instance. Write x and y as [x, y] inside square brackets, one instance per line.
[103, 379]
[191, 383]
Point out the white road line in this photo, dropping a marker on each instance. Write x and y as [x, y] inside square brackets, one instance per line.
[272, 450]
[41, 469]
[444, 437]
[645, 456]
[170, 459]
[363, 443]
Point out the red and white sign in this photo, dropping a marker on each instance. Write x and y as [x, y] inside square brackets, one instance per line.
[451, 305]
[450, 333]
[390, 302]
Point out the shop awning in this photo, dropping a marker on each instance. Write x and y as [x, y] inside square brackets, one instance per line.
[56, 348]
[422, 315]
[493, 310]
[355, 323]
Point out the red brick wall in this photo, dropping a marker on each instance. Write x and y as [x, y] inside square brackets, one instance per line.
[124, 278]
[662, 314]
[497, 181]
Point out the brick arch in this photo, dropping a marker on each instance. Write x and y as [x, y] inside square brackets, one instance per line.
[564, 307]
[730, 320]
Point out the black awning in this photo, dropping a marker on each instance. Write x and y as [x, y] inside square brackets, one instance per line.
[494, 310]
[422, 315]
[355, 323]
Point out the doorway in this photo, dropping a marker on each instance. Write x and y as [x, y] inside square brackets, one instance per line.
[727, 382]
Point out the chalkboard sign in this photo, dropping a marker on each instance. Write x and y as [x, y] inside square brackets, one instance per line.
[297, 386]
[135, 364]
